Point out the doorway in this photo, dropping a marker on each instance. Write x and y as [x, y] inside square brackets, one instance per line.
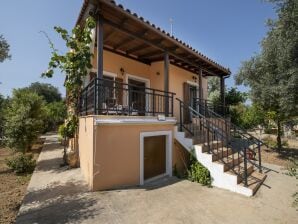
[137, 96]
[193, 96]
[155, 155]
[189, 97]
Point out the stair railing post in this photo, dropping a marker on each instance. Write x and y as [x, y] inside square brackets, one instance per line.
[259, 155]
[153, 102]
[180, 111]
[86, 99]
[208, 137]
[205, 109]
[95, 96]
[245, 167]
[129, 101]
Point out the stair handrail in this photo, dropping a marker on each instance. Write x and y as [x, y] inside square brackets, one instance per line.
[240, 131]
[215, 134]
[198, 114]
[198, 101]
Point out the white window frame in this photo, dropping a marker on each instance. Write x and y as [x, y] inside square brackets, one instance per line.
[169, 148]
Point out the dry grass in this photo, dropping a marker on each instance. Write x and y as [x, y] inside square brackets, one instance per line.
[13, 187]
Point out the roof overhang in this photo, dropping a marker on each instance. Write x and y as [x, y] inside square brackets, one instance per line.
[127, 34]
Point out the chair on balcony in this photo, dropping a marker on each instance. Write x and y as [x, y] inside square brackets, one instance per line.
[110, 107]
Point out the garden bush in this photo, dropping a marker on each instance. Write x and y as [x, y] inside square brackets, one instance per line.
[272, 143]
[200, 174]
[21, 163]
[197, 172]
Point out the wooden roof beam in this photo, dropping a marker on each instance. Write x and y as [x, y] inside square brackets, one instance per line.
[137, 48]
[129, 39]
[123, 42]
[108, 35]
[128, 56]
[150, 54]
[135, 35]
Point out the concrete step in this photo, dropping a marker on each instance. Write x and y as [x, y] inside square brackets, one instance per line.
[254, 181]
[230, 161]
[239, 171]
[213, 145]
[220, 153]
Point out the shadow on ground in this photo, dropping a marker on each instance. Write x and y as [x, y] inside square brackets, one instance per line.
[55, 164]
[152, 185]
[286, 153]
[58, 203]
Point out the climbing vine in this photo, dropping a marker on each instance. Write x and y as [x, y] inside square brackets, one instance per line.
[74, 64]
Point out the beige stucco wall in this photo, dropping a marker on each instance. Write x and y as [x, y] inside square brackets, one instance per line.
[154, 72]
[113, 62]
[86, 138]
[117, 154]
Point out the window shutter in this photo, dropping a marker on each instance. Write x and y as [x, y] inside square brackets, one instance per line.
[186, 100]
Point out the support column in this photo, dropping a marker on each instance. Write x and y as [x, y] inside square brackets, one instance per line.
[198, 106]
[200, 84]
[100, 47]
[166, 82]
[222, 92]
[98, 83]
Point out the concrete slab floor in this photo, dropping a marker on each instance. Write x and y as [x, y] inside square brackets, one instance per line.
[58, 195]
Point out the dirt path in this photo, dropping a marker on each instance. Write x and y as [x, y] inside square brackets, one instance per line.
[12, 187]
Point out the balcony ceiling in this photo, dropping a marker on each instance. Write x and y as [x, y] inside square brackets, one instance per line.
[127, 34]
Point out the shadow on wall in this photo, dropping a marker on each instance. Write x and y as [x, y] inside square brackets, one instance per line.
[67, 203]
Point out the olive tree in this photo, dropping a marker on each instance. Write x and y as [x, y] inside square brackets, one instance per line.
[24, 119]
[272, 75]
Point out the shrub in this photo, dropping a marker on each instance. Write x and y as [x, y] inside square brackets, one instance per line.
[23, 120]
[197, 172]
[55, 115]
[273, 144]
[21, 163]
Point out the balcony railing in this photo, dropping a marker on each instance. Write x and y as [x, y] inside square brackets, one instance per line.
[109, 97]
[209, 105]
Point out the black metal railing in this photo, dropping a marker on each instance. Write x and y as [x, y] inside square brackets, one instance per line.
[109, 97]
[218, 108]
[238, 137]
[215, 133]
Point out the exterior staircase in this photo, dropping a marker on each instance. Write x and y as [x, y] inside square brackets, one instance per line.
[232, 157]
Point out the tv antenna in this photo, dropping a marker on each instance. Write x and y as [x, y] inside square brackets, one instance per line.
[171, 24]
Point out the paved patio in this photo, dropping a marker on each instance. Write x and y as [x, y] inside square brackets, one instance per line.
[58, 195]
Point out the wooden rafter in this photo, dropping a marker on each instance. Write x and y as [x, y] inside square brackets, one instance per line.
[150, 54]
[137, 48]
[157, 46]
[129, 39]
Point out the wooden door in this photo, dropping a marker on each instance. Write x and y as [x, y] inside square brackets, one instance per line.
[154, 156]
[137, 96]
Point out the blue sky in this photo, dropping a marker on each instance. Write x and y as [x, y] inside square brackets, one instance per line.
[227, 31]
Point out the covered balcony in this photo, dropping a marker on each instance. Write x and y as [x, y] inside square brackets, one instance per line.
[109, 97]
[152, 53]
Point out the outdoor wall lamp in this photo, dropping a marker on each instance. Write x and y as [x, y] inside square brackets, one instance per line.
[122, 71]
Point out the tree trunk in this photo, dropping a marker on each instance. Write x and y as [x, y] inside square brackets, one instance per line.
[278, 139]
